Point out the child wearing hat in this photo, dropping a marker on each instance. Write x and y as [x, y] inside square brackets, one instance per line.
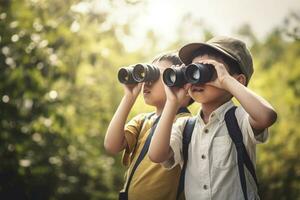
[219, 162]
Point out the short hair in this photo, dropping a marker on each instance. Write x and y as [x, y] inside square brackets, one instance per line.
[233, 66]
[171, 57]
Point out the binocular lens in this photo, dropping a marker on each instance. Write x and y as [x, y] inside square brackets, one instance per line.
[125, 75]
[172, 77]
[144, 73]
[139, 73]
[196, 74]
[192, 73]
[169, 77]
[199, 73]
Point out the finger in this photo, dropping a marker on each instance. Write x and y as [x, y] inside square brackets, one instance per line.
[168, 90]
[187, 86]
[214, 84]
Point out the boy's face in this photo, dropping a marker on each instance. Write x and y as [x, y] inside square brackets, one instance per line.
[154, 92]
[203, 93]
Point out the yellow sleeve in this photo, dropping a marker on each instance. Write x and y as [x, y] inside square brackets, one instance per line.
[132, 129]
[179, 115]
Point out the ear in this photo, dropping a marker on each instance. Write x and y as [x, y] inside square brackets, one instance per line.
[241, 78]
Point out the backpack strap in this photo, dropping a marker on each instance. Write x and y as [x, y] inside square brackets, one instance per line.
[124, 195]
[128, 155]
[148, 117]
[242, 155]
[186, 139]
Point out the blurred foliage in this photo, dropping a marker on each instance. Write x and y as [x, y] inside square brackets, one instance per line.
[57, 96]
[58, 91]
[277, 78]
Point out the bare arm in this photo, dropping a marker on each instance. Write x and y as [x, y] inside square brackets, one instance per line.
[160, 149]
[115, 141]
[261, 114]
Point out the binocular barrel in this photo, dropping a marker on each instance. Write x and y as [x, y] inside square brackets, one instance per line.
[138, 73]
[125, 75]
[199, 73]
[174, 76]
[145, 73]
[194, 73]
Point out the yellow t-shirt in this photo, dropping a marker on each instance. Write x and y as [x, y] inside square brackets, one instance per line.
[151, 181]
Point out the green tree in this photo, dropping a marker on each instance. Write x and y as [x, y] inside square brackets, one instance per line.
[277, 77]
[57, 96]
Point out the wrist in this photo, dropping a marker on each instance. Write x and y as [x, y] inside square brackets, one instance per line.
[172, 104]
[227, 82]
[129, 98]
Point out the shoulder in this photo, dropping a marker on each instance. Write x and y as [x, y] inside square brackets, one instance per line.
[141, 116]
[240, 112]
[137, 120]
[180, 123]
[182, 118]
[243, 121]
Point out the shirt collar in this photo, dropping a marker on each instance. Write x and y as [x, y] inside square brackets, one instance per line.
[219, 113]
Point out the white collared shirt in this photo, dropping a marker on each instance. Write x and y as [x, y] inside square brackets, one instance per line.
[212, 170]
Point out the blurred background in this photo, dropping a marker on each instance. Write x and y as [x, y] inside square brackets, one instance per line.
[59, 89]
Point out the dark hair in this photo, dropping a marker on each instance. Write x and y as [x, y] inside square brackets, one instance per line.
[171, 57]
[233, 66]
[174, 59]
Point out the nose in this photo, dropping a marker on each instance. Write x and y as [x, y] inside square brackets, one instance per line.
[148, 84]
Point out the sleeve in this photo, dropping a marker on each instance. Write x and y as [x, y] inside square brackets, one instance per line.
[248, 134]
[131, 131]
[176, 144]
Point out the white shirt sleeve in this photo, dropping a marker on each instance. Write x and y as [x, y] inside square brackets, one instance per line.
[176, 144]
[249, 138]
[248, 134]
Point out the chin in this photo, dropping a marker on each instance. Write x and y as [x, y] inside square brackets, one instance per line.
[148, 101]
[197, 97]
[201, 98]
[152, 102]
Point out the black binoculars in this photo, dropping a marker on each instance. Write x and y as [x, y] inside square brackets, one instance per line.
[138, 73]
[194, 73]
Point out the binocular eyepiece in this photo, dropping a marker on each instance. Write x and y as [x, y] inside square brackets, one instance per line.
[194, 73]
[138, 73]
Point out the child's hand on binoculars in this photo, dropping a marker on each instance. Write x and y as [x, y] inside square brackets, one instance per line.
[132, 90]
[222, 73]
[176, 95]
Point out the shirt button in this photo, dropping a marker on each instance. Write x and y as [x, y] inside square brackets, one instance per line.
[205, 187]
[206, 130]
[203, 156]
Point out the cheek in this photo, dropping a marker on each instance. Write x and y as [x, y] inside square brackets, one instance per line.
[193, 95]
[158, 88]
[210, 93]
[213, 91]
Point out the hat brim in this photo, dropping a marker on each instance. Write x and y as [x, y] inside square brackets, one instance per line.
[186, 53]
